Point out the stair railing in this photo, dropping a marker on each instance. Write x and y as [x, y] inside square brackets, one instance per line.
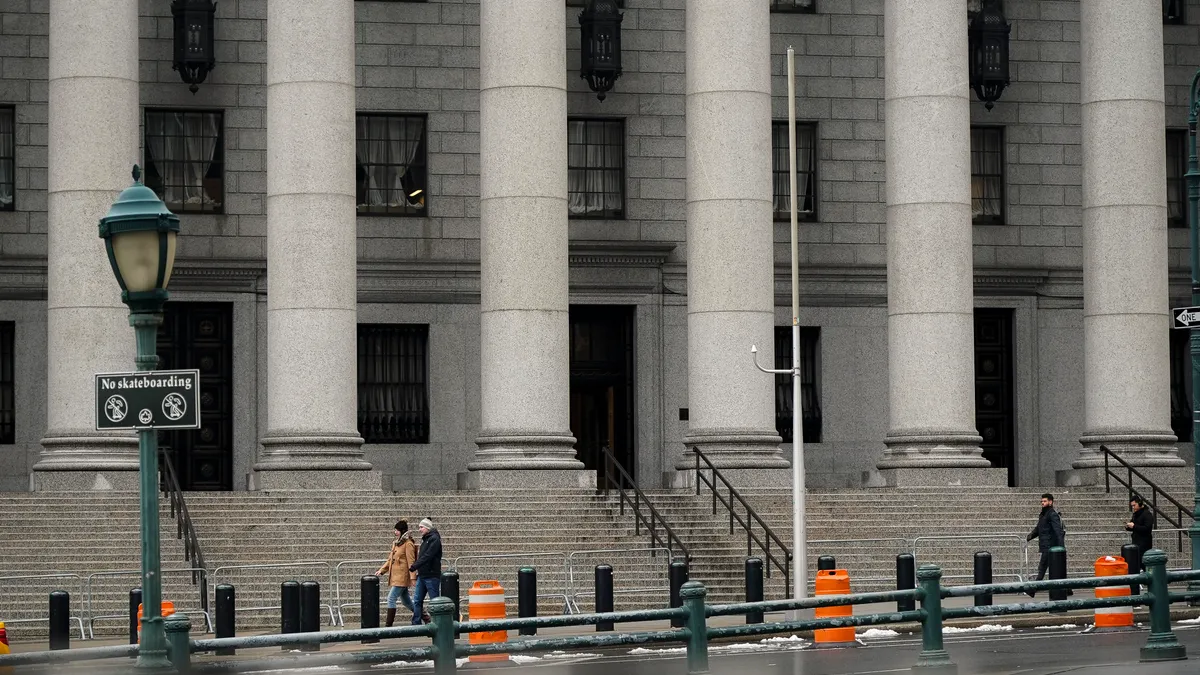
[715, 481]
[185, 529]
[662, 536]
[1111, 474]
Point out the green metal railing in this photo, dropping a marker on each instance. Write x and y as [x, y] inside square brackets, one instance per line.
[1161, 644]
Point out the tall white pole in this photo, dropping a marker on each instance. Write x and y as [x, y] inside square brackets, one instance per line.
[799, 538]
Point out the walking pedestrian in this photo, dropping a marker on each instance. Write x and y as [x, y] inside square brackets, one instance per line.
[1141, 525]
[1049, 532]
[428, 567]
[402, 555]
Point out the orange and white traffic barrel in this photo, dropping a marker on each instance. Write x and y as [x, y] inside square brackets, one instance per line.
[168, 609]
[486, 601]
[834, 582]
[1113, 618]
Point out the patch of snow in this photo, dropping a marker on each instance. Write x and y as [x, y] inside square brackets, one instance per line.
[878, 633]
[521, 659]
[415, 664]
[642, 651]
[782, 640]
[1063, 626]
[985, 628]
[558, 656]
[775, 644]
[1190, 621]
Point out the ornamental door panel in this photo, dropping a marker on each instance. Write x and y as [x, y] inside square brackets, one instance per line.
[995, 414]
[200, 335]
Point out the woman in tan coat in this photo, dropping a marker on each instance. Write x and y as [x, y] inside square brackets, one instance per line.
[402, 556]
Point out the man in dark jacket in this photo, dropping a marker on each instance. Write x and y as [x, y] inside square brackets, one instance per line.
[1141, 526]
[428, 567]
[1049, 533]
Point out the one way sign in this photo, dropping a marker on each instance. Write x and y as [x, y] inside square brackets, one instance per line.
[1186, 317]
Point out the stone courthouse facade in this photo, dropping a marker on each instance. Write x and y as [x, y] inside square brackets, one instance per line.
[419, 253]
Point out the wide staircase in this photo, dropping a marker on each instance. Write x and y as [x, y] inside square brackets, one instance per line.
[255, 541]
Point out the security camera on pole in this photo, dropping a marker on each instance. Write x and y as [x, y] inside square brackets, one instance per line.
[799, 542]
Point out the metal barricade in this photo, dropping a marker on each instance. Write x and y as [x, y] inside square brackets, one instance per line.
[76, 591]
[905, 546]
[545, 581]
[337, 585]
[247, 593]
[576, 593]
[1021, 549]
[1117, 537]
[95, 611]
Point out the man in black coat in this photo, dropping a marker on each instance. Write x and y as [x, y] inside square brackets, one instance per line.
[1141, 525]
[1049, 533]
[428, 567]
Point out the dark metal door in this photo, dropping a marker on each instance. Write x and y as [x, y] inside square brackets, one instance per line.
[602, 384]
[995, 411]
[200, 335]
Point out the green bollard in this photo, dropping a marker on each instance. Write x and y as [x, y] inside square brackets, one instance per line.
[933, 658]
[441, 610]
[179, 646]
[1161, 645]
[693, 594]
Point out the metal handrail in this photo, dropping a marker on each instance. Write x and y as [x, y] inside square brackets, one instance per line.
[672, 542]
[1155, 491]
[747, 524]
[185, 529]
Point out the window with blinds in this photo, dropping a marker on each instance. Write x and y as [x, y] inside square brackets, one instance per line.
[185, 156]
[390, 155]
[1177, 159]
[810, 385]
[806, 171]
[595, 168]
[987, 175]
[806, 6]
[393, 383]
[8, 157]
[8, 406]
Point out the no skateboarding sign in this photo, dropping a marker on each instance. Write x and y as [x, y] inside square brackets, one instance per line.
[157, 399]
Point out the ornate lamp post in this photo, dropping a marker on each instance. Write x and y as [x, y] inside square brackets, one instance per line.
[1193, 188]
[987, 36]
[195, 52]
[140, 236]
[600, 45]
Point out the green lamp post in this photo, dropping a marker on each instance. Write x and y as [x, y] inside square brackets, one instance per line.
[140, 236]
[1193, 188]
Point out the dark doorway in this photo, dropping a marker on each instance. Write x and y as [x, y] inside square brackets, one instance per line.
[200, 335]
[602, 385]
[995, 412]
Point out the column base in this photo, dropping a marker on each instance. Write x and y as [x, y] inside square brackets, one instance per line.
[85, 481]
[87, 460]
[685, 479]
[267, 479]
[1164, 477]
[734, 449]
[523, 451]
[518, 479]
[284, 451]
[1151, 449]
[935, 477]
[933, 449]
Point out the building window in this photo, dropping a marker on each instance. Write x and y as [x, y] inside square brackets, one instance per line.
[810, 383]
[390, 151]
[1173, 12]
[8, 407]
[987, 175]
[393, 383]
[582, 3]
[185, 158]
[806, 170]
[1181, 385]
[596, 168]
[806, 6]
[1177, 159]
[8, 158]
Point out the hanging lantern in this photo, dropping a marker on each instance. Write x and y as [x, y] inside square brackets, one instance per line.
[600, 45]
[195, 53]
[988, 47]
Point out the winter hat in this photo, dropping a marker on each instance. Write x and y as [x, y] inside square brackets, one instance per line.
[427, 523]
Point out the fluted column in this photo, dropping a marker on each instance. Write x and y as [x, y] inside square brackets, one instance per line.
[1125, 306]
[931, 379]
[93, 144]
[731, 295]
[312, 439]
[525, 381]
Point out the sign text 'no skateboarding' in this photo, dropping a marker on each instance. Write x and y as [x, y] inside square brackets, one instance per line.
[156, 399]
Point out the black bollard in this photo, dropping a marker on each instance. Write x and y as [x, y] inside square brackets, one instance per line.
[906, 580]
[527, 597]
[450, 590]
[983, 575]
[604, 595]
[1058, 570]
[60, 620]
[289, 608]
[826, 562]
[135, 601]
[677, 576]
[225, 623]
[1133, 558]
[310, 613]
[754, 587]
[368, 605]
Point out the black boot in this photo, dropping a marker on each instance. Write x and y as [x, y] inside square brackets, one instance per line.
[391, 617]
